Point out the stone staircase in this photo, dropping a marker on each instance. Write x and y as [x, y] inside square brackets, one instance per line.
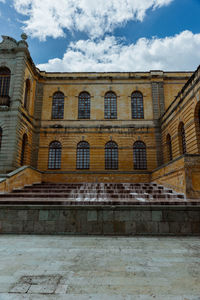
[93, 194]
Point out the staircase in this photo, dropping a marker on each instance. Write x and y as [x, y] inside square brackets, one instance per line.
[93, 194]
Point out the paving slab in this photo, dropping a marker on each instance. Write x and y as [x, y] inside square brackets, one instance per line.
[74, 267]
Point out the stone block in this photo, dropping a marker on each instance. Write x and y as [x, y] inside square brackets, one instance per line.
[194, 216]
[123, 215]
[28, 226]
[6, 227]
[119, 227]
[140, 215]
[146, 227]
[175, 216]
[50, 227]
[174, 227]
[108, 227]
[53, 215]
[22, 215]
[39, 227]
[185, 228]
[92, 215]
[33, 214]
[130, 227]
[157, 216]
[163, 227]
[17, 226]
[11, 214]
[108, 215]
[43, 215]
[96, 228]
[195, 227]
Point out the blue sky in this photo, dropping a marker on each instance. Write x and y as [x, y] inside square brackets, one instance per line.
[119, 35]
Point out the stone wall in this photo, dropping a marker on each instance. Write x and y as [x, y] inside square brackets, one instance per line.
[163, 220]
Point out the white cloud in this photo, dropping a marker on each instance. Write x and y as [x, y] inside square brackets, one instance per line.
[180, 52]
[95, 17]
[3, 1]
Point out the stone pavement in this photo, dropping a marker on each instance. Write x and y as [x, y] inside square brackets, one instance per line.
[69, 267]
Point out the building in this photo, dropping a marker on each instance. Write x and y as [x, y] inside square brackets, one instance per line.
[99, 127]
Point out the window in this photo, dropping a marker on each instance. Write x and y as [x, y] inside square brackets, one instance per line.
[139, 156]
[27, 94]
[4, 82]
[182, 139]
[84, 106]
[111, 155]
[137, 105]
[24, 150]
[83, 156]
[169, 147]
[58, 106]
[1, 134]
[55, 150]
[110, 108]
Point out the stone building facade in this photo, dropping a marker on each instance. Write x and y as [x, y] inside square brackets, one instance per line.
[99, 127]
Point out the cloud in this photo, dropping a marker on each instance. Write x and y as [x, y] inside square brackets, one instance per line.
[51, 17]
[180, 52]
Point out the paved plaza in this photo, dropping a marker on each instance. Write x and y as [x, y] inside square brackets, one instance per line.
[73, 267]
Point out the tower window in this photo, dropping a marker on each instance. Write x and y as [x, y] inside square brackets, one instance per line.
[182, 139]
[1, 134]
[169, 147]
[111, 156]
[4, 82]
[110, 106]
[137, 105]
[58, 106]
[24, 150]
[55, 150]
[83, 156]
[139, 156]
[84, 106]
[27, 94]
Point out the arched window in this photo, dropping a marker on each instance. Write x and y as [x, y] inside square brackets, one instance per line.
[110, 106]
[169, 147]
[83, 156]
[27, 94]
[137, 105]
[139, 156]
[197, 124]
[111, 155]
[4, 86]
[58, 106]
[84, 106]
[55, 150]
[1, 134]
[24, 149]
[182, 140]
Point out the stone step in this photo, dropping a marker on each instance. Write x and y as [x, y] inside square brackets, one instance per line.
[77, 191]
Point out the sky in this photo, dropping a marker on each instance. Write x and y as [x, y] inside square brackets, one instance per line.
[103, 36]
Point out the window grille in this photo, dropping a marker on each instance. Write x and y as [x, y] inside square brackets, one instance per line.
[137, 105]
[169, 147]
[139, 156]
[55, 150]
[58, 106]
[1, 134]
[4, 82]
[84, 106]
[83, 156]
[110, 106]
[27, 94]
[182, 138]
[24, 149]
[111, 156]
